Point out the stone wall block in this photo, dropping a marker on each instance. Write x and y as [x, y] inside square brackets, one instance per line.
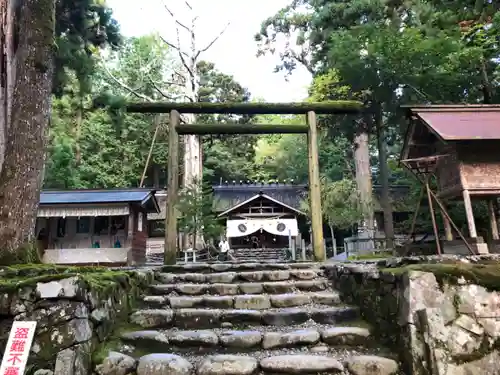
[70, 288]
[76, 360]
[477, 300]
[421, 290]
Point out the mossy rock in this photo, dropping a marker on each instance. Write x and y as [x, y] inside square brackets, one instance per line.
[113, 342]
[372, 256]
[486, 275]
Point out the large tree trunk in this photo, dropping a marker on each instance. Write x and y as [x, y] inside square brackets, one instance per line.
[364, 179]
[385, 200]
[7, 69]
[20, 179]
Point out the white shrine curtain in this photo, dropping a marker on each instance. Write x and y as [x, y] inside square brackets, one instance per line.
[278, 227]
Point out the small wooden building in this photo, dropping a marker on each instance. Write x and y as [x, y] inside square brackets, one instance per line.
[262, 201]
[105, 227]
[460, 145]
[261, 215]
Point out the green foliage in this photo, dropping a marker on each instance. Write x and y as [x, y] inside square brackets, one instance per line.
[196, 213]
[389, 53]
[484, 274]
[339, 202]
[109, 147]
[27, 254]
[272, 152]
[226, 157]
[82, 27]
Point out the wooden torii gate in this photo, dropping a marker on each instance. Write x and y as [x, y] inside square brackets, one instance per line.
[310, 128]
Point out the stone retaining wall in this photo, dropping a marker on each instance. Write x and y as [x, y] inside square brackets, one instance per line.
[75, 313]
[438, 327]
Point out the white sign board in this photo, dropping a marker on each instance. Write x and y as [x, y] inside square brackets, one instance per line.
[18, 348]
[139, 222]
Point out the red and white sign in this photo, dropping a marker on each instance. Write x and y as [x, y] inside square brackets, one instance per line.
[18, 348]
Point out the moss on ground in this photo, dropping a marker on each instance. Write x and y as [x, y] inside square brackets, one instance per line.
[114, 342]
[379, 255]
[484, 274]
[100, 279]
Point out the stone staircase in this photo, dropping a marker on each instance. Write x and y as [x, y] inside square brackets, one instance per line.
[260, 255]
[249, 318]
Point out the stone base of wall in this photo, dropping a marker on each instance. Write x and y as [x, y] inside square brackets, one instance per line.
[458, 247]
[75, 311]
[439, 325]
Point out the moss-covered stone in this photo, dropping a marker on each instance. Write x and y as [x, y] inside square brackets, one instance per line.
[484, 274]
[374, 255]
[100, 279]
[113, 342]
[327, 107]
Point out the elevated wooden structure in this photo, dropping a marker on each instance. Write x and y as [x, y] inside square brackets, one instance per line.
[459, 145]
[175, 128]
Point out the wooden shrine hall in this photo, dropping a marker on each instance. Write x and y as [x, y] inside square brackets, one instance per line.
[261, 215]
[459, 145]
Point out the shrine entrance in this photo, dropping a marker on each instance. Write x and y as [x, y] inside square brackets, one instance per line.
[262, 222]
[310, 128]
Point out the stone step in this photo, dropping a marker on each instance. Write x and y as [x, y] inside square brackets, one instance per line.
[250, 252]
[245, 301]
[251, 258]
[244, 276]
[223, 340]
[224, 289]
[257, 257]
[193, 318]
[234, 266]
[268, 362]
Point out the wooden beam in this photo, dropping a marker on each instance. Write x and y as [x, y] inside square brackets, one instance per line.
[315, 189]
[327, 107]
[493, 219]
[433, 217]
[170, 251]
[202, 129]
[469, 214]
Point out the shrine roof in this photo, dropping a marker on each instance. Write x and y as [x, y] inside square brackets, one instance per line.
[143, 197]
[229, 195]
[431, 125]
[460, 122]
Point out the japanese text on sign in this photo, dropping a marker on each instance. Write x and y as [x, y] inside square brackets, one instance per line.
[18, 348]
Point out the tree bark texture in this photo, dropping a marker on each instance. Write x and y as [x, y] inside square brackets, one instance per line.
[364, 177]
[26, 137]
[7, 68]
[385, 200]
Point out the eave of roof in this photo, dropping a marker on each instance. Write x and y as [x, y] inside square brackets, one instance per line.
[460, 122]
[261, 195]
[143, 197]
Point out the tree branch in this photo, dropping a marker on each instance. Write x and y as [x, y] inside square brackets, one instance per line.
[179, 23]
[212, 42]
[172, 45]
[126, 87]
[157, 88]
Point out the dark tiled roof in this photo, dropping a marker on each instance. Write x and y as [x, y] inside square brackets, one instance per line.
[95, 196]
[228, 196]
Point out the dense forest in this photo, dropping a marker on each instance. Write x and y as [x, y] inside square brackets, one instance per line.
[386, 53]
